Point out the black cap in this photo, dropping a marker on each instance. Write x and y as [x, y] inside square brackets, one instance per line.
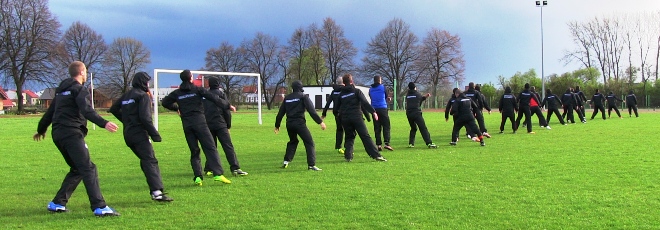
[214, 82]
[411, 85]
[297, 86]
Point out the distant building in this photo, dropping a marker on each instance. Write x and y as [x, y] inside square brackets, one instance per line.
[249, 94]
[47, 97]
[320, 94]
[5, 102]
[30, 97]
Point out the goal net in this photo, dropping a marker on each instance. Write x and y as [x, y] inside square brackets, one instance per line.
[156, 98]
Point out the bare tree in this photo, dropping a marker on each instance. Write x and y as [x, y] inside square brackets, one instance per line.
[261, 54]
[441, 59]
[339, 51]
[391, 54]
[79, 43]
[29, 33]
[226, 58]
[124, 58]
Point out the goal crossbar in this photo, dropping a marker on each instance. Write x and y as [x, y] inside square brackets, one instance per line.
[176, 71]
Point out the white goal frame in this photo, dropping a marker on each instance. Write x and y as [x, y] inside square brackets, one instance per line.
[176, 71]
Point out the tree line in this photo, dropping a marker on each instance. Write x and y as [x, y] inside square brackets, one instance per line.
[33, 49]
[319, 55]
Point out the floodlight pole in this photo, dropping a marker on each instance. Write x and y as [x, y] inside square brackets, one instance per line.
[541, 4]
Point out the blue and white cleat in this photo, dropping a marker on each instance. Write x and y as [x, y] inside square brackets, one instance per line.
[53, 207]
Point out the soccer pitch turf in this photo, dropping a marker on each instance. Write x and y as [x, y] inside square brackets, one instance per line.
[599, 175]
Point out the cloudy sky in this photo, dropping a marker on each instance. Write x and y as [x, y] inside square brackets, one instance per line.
[499, 37]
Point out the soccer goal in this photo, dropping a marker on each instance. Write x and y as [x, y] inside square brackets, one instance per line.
[203, 73]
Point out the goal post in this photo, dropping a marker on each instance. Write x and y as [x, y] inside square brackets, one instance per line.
[156, 100]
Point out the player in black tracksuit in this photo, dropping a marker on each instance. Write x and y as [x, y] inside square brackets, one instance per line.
[415, 119]
[553, 103]
[535, 108]
[294, 107]
[350, 104]
[219, 123]
[611, 104]
[569, 101]
[597, 101]
[188, 99]
[508, 107]
[478, 99]
[69, 113]
[579, 96]
[631, 103]
[463, 111]
[134, 110]
[524, 99]
[339, 133]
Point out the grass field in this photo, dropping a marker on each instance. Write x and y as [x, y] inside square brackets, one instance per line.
[600, 175]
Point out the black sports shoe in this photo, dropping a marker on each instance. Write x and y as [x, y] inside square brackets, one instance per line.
[314, 168]
[483, 143]
[380, 159]
[380, 148]
[452, 143]
[239, 172]
[388, 147]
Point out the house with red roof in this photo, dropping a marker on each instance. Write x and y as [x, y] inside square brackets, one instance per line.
[5, 102]
[30, 97]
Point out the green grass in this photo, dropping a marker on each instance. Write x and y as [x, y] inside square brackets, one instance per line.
[601, 175]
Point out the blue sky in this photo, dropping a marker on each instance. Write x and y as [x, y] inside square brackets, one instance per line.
[498, 37]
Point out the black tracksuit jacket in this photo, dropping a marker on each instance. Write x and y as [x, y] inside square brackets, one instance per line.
[70, 109]
[188, 99]
[552, 101]
[294, 107]
[413, 103]
[352, 103]
[598, 99]
[134, 110]
[508, 104]
[216, 118]
[612, 99]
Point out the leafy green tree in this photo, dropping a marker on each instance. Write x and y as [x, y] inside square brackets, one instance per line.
[308, 70]
[517, 81]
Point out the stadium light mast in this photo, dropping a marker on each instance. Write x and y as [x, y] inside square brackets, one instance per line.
[541, 4]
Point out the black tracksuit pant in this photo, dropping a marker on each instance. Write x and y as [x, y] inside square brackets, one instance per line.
[568, 114]
[579, 110]
[295, 130]
[480, 120]
[556, 112]
[470, 126]
[200, 133]
[148, 162]
[609, 110]
[339, 133]
[222, 135]
[415, 121]
[511, 116]
[596, 109]
[524, 110]
[382, 124]
[539, 114]
[631, 108]
[71, 143]
[351, 126]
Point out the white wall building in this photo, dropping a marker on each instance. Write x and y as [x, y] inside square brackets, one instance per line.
[320, 94]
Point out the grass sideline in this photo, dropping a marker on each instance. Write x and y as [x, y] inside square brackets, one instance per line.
[582, 176]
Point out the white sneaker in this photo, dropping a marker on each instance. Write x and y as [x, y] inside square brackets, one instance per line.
[548, 127]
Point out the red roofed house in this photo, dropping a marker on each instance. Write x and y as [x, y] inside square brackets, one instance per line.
[30, 97]
[5, 102]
